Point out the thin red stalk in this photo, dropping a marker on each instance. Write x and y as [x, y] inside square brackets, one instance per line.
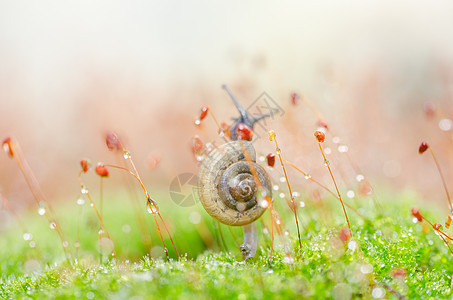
[336, 187]
[327, 189]
[289, 188]
[446, 243]
[101, 187]
[34, 187]
[442, 178]
[150, 202]
[98, 214]
[144, 230]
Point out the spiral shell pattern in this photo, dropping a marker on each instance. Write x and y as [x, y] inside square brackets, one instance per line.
[227, 187]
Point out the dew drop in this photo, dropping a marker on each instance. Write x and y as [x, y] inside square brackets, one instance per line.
[350, 194]
[27, 236]
[126, 155]
[53, 225]
[276, 187]
[288, 260]
[378, 292]
[41, 211]
[307, 176]
[6, 148]
[282, 179]
[264, 204]
[265, 231]
[262, 158]
[101, 231]
[296, 194]
[335, 139]
[287, 232]
[152, 210]
[343, 148]
[326, 162]
[80, 201]
[91, 204]
[366, 268]
[414, 220]
[195, 217]
[327, 150]
[200, 156]
[65, 244]
[84, 190]
[301, 204]
[359, 177]
[445, 124]
[221, 134]
[197, 122]
[282, 195]
[32, 244]
[278, 221]
[126, 228]
[352, 245]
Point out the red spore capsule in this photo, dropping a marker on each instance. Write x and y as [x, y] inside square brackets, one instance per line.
[323, 124]
[270, 159]
[7, 146]
[423, 147]
[416, 213]
[112, 141]
[295, 98]
[320, 136]
[244, 132]
[436, 226]
[399, 273]
[85, 164]
[102, 171]
[203, 113]
[345, 234]
[197, 144]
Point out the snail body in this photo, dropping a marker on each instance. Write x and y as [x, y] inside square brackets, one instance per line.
[227, 186]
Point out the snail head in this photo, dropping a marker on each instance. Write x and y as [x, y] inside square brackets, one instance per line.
[244, 117]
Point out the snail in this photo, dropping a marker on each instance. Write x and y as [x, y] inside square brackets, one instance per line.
[230, 183]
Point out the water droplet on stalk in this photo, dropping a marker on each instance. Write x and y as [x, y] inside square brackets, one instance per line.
[359, 177]
[152, 210]
[80, 201]
[126, 155]
[41, 211]
[307, 176]
[53, 225]
[264, 203]
[27, 236]
[84, 190]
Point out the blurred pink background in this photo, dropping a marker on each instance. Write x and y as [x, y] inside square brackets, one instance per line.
[69, 72]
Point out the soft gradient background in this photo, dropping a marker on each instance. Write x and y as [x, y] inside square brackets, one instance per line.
[72, 70]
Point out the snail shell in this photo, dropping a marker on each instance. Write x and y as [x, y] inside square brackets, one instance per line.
[226, 186]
